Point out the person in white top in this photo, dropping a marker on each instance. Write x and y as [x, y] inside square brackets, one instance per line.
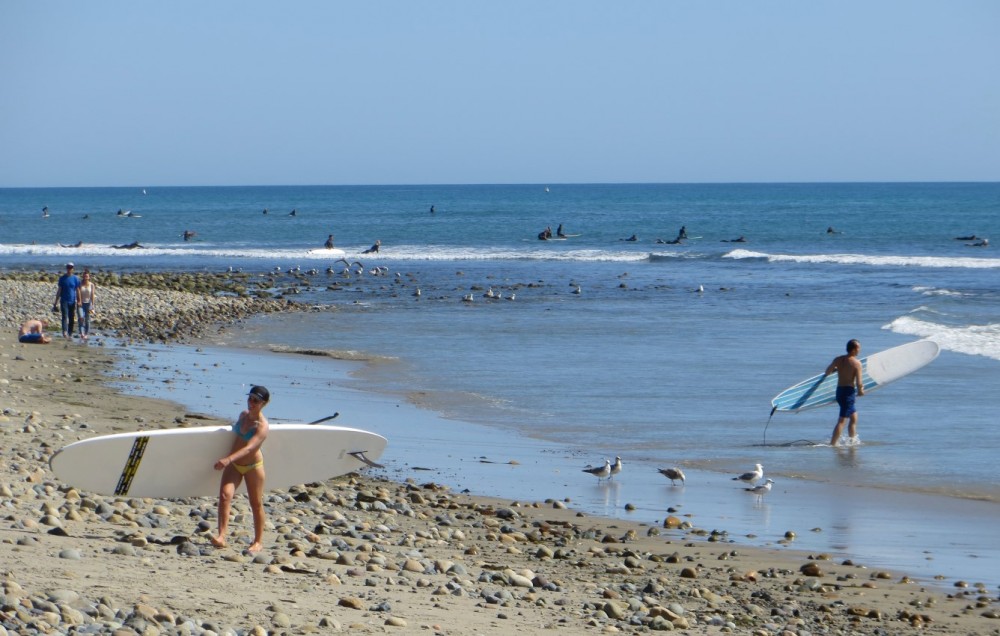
[85, 305]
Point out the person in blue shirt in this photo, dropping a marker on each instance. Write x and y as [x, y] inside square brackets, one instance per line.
[66, 299]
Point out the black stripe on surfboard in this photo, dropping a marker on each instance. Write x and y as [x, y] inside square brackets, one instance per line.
[131, 465]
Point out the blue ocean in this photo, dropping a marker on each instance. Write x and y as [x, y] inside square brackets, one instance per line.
[658, 351]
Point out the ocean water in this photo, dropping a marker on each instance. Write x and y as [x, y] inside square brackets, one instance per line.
[663, 354]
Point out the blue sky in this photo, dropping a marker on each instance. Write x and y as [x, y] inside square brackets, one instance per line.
[324, 92]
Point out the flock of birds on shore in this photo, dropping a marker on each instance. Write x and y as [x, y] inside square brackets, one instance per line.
[752, 478]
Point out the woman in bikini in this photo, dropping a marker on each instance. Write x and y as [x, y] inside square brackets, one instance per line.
[245, 462]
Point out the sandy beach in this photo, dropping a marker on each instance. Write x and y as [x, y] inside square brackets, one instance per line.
[363, 554]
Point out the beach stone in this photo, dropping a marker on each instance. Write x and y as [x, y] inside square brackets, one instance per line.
[70, 554]
[351, 602]
[395, 621]
[811, 569]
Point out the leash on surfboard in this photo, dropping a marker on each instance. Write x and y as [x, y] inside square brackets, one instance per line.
[325, 419]
[798, 442]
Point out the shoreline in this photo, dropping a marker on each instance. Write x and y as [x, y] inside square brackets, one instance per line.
[372, 554]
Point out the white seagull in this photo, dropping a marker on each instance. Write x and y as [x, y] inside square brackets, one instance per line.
[673, 474]
[616, 467]
[752, 477]
[761, 489]
[599, 471]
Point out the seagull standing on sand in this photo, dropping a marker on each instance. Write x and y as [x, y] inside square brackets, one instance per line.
[599, 471]
[752, 477]
[616, 467]
[761, 489]
[673, 474]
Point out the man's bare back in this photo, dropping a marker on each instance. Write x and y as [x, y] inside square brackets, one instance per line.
[849, 371]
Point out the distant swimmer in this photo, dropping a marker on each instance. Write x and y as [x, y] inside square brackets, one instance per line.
[676, 241]
[631, 239]
[265, 211]
[45, 212]
[374, 248]
[292, 213]
[188, 235]
[830, 230]
[967, 238]
[559, 231]
[545, 234]
[683, 232]
[77, 244]
[432, 209]
[980, 243]
[86, 216]
[741, 239]
[329, 242]
[128, 246]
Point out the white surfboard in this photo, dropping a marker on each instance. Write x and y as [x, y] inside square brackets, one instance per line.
[878, 369]
[179, 462]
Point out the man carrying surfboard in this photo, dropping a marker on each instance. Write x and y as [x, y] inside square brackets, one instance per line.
[245, 462]
[849, 387]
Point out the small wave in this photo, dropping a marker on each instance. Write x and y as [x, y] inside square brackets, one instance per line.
[394, 253]
[864, 259]
[934, 291]
[973, 340]
[336, 354]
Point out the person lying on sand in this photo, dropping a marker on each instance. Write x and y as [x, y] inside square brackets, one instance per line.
[33, 332]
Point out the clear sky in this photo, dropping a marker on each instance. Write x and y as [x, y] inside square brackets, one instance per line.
[145, 93]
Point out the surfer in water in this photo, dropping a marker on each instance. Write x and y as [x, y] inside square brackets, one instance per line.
[329, 242]
[245, 462]
[849, 387]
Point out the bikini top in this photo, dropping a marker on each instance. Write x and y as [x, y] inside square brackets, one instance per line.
[246, 436]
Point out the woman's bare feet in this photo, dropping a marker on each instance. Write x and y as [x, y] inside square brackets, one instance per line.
[218, 542]
[255, 547]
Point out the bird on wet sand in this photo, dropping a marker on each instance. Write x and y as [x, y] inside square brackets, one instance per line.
[761, 489]
[752, 477]
[616, 467]
[673, 474]
[600, 472]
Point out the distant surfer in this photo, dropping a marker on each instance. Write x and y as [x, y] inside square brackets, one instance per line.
[77, 244]
[682, 233]
[849, 387]
[265, 211]
[979, 243]
[830, 230]
[374, 248]
[631, 239]
[245, 462]
[676, 241]
[432, 209]
[188, 235]
[329, 242]
[545, 234]
[128, 246]
[45, 212]
[292, 213]
[741, 239]
[972, 237]
[559, 231]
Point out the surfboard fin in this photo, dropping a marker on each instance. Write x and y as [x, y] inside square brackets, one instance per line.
[360, 456]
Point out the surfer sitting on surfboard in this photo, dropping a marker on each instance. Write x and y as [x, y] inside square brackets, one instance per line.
[849, 386]
[245, 462]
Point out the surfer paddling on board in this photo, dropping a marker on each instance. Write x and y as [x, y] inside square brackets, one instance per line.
[245, 462]
[849, 387]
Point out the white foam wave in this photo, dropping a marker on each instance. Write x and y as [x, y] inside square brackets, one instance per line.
[973, 340]
[934, 291]
[865, 259]
[395, 253]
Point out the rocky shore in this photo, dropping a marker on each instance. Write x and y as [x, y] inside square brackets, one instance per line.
[362, 554]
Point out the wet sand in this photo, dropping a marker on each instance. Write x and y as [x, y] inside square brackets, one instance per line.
[373, 554]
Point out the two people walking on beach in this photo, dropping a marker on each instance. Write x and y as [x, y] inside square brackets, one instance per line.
[74, 299]
[245, 461]
[849, 387]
